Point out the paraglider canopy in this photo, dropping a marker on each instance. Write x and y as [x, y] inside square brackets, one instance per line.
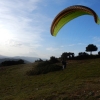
[69, 14]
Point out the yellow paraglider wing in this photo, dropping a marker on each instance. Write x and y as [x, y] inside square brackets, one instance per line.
[68, 14]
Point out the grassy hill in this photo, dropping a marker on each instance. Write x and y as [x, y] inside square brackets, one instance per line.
[79, 81]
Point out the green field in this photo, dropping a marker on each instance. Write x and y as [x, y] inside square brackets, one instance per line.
[79, 81]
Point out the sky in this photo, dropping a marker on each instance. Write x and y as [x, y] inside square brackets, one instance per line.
[25, 28]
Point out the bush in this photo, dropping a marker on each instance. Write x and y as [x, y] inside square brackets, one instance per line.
[53, 60]
[43, 68]
[12, 62]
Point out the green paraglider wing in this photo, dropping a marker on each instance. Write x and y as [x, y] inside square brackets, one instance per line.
[69, 14]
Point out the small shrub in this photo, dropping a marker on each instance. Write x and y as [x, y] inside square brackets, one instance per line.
[53, 60]
[43, 68]
[12, 62]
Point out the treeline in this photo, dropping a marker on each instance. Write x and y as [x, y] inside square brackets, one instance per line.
[82, 55]
[54, 64]
[71, 56]
[12, 62]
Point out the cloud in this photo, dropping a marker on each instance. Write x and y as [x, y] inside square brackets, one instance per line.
[51, 49]
[22, 26]
[76, 44]
[14, 43]
[81, 43]
[20, 20]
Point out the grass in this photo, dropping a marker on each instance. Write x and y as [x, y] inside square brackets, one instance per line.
[79, 81]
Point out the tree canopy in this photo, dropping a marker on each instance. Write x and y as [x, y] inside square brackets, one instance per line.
[91, 47]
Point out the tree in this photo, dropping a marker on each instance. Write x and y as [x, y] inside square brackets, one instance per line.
[82, 54]
[91, 47]
[67, 55]
[53, 59]
[99, 53]
[64, 56]
[12, 62]
[20, 61]
[39, 60]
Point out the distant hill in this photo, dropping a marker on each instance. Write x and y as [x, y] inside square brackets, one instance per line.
[30, 59]
[12, 59]
[1, 57]
[26, 59]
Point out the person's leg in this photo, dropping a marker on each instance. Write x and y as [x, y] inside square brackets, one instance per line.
[63, 67]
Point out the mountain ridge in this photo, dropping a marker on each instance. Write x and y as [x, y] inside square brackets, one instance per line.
[26, 59]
